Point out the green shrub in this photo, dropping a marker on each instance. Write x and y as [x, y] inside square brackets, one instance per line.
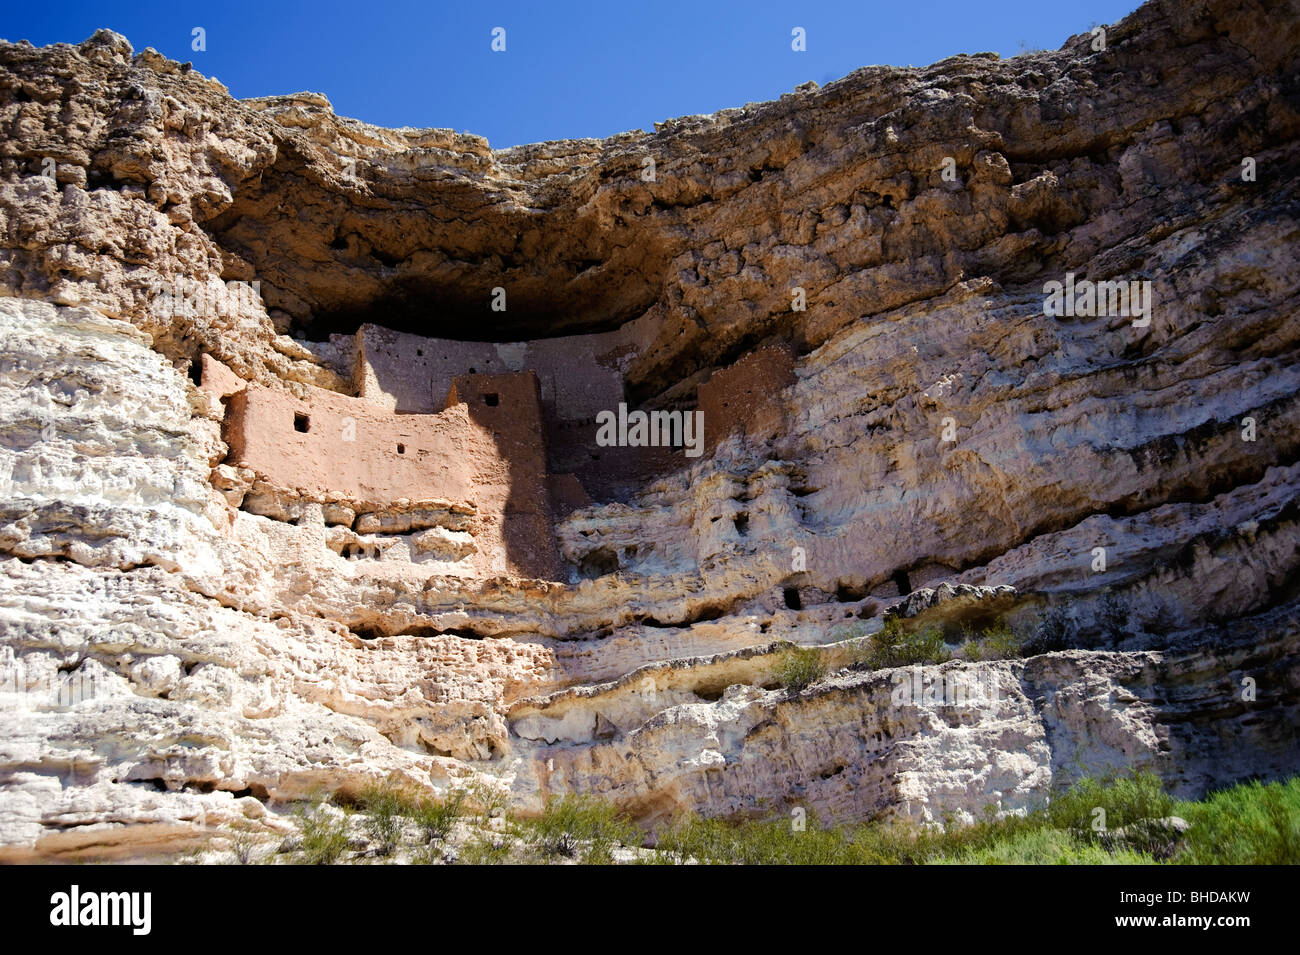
[322, 836]
[1125, 799]
[891, 646]
[245, 846]
[1000, 642]
[766, 842]
[385, 805]
[799, 668]
[1250, 824]
[1113, 618]
[485, 799]
[1043, 847]
[488, 848]
[579, 827]
[1054, 633]
[1060, 834]
[437, 817]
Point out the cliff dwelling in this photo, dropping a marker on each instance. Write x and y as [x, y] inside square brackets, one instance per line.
[457, 454]
[301, 513]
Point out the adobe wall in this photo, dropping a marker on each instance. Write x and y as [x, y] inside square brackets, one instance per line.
[508, 465]
[349, 449]
[746, 396]
[579, 375]
[485, 452]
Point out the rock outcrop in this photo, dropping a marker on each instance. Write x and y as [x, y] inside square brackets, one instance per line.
[184, 645]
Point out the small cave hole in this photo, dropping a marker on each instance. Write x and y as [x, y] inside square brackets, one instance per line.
[847, 593]
[401, 449]
[598, 563]
[903, 583]
[742, 523]
[792, 600]
[492, 400]
[196, 371]
[301, 422]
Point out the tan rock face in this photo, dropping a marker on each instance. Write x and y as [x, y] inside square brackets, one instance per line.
[189, 637]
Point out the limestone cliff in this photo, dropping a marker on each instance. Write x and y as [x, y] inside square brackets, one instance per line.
[921, 438]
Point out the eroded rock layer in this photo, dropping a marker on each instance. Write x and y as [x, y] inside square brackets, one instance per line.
[186, 641]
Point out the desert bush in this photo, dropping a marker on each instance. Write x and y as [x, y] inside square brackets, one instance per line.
[437, 817]
[244, 846]
[322, 834]
[1000, 642]
[579, 827]
[1125, 799]
[891, 646]
[488, 848]
[1042, 846]
[1113, 618]
[1249, 824]
[485, 800]
[385, 805]
[1053, 633]
[799, 668]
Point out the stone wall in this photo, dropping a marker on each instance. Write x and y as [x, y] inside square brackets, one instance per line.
[579, 375]
[745, 397]
[483, 454]
[332, 446]
[507, 462]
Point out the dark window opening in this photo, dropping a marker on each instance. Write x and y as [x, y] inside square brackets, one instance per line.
[419, 352]
[598, 563]
[401, 449]
[301, 423]
[196, 371]
[473, 371]
[904, 584]
[742, 523]
[492, 400]
[792, 598]
[847, 593]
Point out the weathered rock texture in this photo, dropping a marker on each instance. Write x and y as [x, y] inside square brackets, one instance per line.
[172, 658]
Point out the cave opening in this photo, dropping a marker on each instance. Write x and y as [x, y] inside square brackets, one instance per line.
[903, 582]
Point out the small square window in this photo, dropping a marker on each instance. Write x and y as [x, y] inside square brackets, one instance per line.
[301, 423]
[401, 449]
[492, 400]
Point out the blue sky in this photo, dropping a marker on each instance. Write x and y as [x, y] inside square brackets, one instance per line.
[569, 69]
